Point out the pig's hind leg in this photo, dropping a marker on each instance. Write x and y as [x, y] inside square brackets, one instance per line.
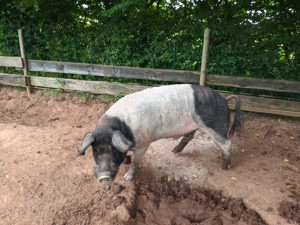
[184, 141]
[225, 145]
[219, 137]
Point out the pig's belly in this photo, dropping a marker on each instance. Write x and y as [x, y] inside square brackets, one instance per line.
[178, 130]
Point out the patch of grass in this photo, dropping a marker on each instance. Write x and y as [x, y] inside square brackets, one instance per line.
[84, 96]
[118, 96]
[107, 98]
[20, 89]
[51, 93]
[248, 116]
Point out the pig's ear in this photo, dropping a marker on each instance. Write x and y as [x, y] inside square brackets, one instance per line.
[120, 141]
[86, 142]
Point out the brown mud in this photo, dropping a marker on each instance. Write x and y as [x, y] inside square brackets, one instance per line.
[42, 182]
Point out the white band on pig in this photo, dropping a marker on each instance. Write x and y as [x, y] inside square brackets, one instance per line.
[100, 178]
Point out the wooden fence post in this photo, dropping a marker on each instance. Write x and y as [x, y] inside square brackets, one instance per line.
[25, 66]
[204, 56]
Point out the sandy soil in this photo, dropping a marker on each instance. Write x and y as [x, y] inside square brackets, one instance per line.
[42, 182]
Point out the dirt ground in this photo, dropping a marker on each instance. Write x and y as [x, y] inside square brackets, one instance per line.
[42, 182]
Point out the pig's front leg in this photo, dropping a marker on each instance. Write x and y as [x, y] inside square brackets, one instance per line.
[184, 141]
[136, 158]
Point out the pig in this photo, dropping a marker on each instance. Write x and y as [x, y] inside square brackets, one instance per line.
[170, 111]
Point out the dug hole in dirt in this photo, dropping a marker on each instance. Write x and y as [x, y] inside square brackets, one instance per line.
[42, 182]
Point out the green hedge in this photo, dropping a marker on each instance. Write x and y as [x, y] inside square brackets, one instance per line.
[247, 39]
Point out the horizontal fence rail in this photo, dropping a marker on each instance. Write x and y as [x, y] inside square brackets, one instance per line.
[97, 87]
[113, 71]
[267, 105]
[163, 75]
[12, 79]
[254, 83]
[249, 103]
[8, 61]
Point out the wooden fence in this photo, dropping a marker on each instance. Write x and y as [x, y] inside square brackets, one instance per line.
[249, 103]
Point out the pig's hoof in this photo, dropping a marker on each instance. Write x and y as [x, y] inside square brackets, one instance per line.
[226, 163]
[129, 175]
[225, 167]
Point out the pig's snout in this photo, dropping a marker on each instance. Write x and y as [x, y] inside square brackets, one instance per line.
[104, 177]
[105, 180]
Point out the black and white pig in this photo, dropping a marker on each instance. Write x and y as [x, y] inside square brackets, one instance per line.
[172, 111]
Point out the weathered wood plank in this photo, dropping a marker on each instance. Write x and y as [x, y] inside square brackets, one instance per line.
[267, 105]
[254, 83]
[12, 79]
[98, 87]
[9, 61]
[114, 71]
[249, 103]
[163, 75]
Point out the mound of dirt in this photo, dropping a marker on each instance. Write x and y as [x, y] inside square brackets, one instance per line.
[174, 202]
[290, 211]
[158, 202]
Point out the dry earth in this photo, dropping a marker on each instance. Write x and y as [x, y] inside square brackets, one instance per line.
[42, 182]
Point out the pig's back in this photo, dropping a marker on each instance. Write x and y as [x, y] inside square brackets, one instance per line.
[160, 112]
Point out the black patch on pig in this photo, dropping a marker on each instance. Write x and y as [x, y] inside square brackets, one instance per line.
[212, 109]
[107, 125]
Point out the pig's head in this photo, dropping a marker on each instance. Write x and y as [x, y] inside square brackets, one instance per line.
[109, 151]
